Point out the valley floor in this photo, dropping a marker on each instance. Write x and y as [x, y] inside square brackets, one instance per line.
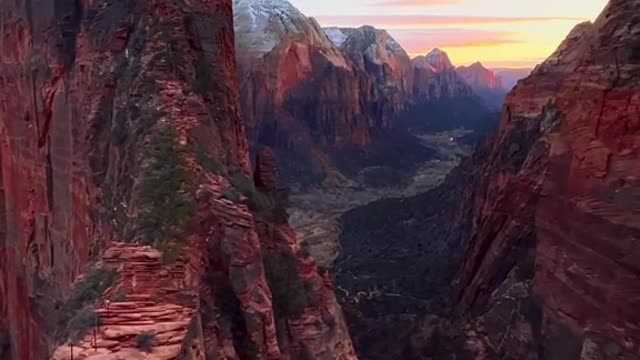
[314, 212]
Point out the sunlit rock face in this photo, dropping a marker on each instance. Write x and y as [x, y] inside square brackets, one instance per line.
[131, 226]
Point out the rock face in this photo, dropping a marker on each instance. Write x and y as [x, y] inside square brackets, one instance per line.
[552, 264]
[435, 78]
[120, 124]
[298, 88]
[545, 224]
[377, 53]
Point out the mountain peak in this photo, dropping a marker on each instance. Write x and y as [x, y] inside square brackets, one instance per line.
[436, 60]
[261, 24]
[365, 38]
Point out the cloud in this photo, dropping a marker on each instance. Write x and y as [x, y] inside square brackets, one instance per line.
[414, 3]
[426, 20]
[419, 41]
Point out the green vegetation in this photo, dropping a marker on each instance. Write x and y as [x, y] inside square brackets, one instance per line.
[82, 322]
[146, 340]
[273, 209]
[165, 194]
[77, 314]
[291, 295]
[89, 289]
[207, 162]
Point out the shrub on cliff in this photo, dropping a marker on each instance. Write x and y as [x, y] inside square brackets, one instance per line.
[146, 340]
[81, 323]
[165, 193]
[271, 208]
[291, 295]
[89, 289]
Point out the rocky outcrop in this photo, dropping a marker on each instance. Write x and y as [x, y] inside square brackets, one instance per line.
[435, 78]
[378, 54]
[551, 264]
[147, 313]
[120, 124]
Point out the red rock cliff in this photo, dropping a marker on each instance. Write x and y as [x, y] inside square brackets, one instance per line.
[378, 54]
[119, 122]
[552, 268]
[298, 88]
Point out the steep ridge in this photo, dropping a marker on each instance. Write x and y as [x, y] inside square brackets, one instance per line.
[543, 224]
[378, 54]
[555, 213]
[120, 130]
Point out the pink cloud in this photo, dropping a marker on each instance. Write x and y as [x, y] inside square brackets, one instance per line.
[415, 3]
[425, 20]
[422, 40]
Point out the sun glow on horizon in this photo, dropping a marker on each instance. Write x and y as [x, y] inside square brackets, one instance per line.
[498, 33]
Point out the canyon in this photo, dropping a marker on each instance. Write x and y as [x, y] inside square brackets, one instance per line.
[208, 179]
[528, 250]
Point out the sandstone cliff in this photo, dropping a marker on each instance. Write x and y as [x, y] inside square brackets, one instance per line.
[552, 261]
[543, 219]
[130, 224]
[297, 88]
[378, 54]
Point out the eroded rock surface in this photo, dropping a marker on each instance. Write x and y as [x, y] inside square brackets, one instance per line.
[120, 124]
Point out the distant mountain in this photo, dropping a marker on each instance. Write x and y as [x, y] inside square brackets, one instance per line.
[317, 94]
[484, 83]
[435, 77]
[479, 77]
[510, 77]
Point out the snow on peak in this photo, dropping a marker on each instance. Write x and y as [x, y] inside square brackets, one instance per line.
[336, 35]
[261, 24]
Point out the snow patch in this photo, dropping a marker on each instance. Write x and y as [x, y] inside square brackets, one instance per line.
[336, 35]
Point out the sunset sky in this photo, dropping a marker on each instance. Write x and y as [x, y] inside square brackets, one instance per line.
[500, 33]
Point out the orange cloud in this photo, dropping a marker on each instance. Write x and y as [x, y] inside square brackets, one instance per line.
[422, 20]
[422, 40]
